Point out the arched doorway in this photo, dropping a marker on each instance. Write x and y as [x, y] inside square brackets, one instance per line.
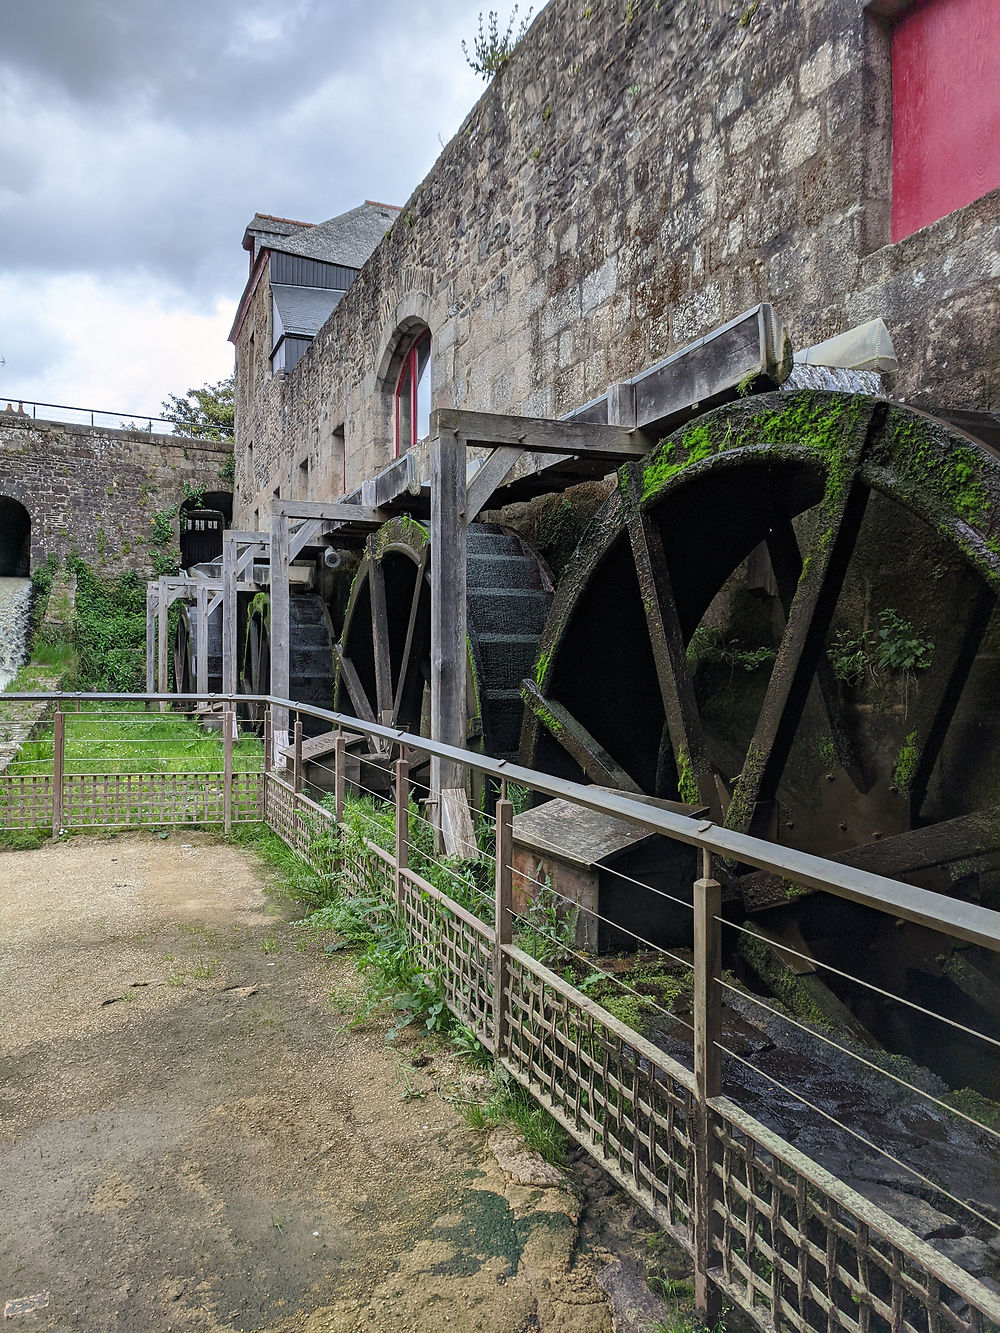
[15, 539]
[202, 523]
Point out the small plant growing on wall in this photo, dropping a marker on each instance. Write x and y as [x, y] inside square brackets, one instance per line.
[491, 47]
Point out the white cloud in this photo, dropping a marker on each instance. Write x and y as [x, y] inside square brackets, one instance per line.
[119, 345]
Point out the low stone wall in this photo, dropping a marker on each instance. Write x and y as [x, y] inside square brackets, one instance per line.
[95, 491]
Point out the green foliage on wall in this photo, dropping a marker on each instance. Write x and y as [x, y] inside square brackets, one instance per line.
[110, 629]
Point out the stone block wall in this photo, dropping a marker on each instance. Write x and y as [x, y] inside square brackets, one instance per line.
[95, 491]
[637, 174]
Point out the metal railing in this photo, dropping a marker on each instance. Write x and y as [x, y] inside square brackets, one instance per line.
[681, 1116]
[123, 420]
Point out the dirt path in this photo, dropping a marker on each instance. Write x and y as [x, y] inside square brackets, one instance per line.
[190, 1139]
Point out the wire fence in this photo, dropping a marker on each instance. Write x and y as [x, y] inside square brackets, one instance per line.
[660, 1059]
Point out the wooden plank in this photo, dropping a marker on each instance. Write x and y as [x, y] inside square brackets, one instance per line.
[355, 690]
[229, 572]
[448, 606]
[493, 472]
[332, 511]
[684, 726]
[380, 637]
[576, 740]
[540, 435]
[414, 644]
[150, 638]
[201, 648]
[303, 536]
[162, 679]
[280, 673]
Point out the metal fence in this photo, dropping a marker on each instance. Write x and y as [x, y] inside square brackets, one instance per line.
[769, 1228]
[98, 416]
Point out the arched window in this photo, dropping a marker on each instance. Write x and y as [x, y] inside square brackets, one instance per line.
[413, 394]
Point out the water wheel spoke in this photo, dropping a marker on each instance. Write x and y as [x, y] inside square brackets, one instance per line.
[684, 724]
[938, 698]
[355, 689]
[414, 646]
[576, 740]
[380, 639]
[802, 645]
[786, 564]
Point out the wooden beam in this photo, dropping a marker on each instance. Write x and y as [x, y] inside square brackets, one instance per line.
[492, 473]
[230, 556]
[161, 637]
[380, 637]
[577, 741]
[280, 676]
[333, 511]
[355, 689]
[413, 647]
[303, 536]
[448, 605]
[540, 435]
[201, 647]
[150, 638]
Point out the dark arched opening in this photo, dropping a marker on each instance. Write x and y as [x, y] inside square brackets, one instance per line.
[203, 520]
[15, 539]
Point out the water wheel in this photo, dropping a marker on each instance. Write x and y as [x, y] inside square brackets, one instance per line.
[384, 654]
[785, 614]
[185, 651]
[311, 661]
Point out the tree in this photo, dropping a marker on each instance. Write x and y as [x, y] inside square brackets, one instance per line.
[206, 412]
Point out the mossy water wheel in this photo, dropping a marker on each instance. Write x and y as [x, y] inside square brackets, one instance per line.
[384, 653]
[786, 614]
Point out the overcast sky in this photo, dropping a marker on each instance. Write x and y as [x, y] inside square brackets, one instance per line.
[138, 138]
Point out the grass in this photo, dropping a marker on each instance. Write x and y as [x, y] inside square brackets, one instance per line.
[132, 740]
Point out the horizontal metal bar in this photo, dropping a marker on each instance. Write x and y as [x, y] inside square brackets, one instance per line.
[966, 921]
[108, 412]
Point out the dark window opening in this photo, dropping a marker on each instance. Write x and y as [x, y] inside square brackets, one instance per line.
[413, 395]
[202, 526]
[15, 539]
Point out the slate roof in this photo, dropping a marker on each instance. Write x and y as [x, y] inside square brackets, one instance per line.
[347, 239]
[303, 310]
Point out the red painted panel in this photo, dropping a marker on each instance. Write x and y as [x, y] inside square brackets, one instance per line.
[945, 109]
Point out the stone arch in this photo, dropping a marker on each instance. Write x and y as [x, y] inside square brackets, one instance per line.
[408, 319]
[15, 538]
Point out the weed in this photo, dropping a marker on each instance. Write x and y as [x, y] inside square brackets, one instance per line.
[507, 1103]
[491, 47]
[270, 945]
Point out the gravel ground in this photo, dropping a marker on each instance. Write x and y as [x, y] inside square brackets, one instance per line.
[190, 1138]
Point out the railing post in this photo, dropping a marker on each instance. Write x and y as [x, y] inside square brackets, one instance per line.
[58, 769]
[297, 755]
[267, 765]
[708, 1081]
[402, 772]
[504, 921]
[339, 774]
[228, 720]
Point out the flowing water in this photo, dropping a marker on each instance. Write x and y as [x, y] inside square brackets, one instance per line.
[15, 611]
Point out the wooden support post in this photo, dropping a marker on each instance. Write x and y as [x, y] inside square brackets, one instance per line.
[297, 755]
[504, 923]
[279, 632]
[708, 1082]
[402, 773]
[162, 611]
[267, 764]
[339, 775]
[58, 769]
[228, 617]
[150, 638]
[201, 648]
[448, 614]
[228, 731]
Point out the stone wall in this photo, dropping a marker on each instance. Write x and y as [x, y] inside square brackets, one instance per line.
[95, 491]
[637, 174]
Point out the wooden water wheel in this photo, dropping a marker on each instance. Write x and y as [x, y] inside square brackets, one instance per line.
[786, 614]
[185, 651]
[384, 653]
[311, 661]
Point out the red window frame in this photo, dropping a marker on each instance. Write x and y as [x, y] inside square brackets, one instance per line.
[409, 388]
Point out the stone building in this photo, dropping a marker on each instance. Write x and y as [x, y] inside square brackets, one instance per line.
[635, 175]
